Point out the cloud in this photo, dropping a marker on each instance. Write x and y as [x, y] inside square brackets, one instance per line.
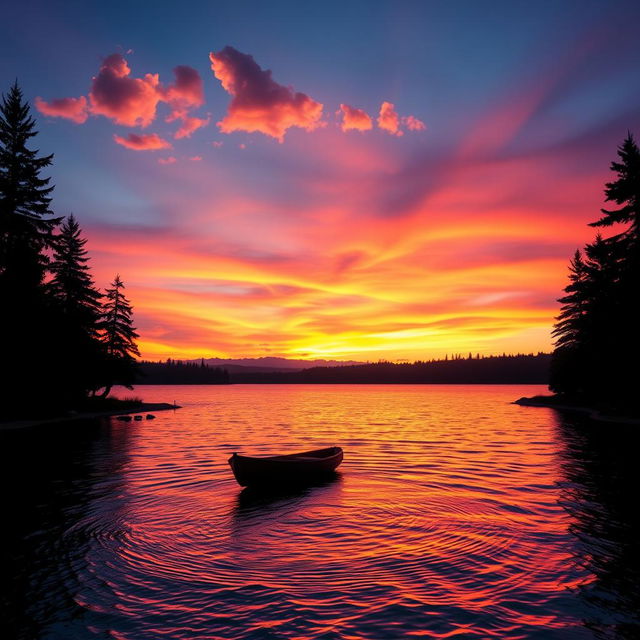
[74, 109]
[259, 103]
[217, 144]
[189, 125]
[195, 158]
[145, 142]
[127, 101]
[389, 119]
[187, 92]
[130, 101]
[168, 160]
[414, 124]
[354, 119]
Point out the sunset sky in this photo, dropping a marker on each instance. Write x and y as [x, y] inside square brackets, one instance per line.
[409, 180]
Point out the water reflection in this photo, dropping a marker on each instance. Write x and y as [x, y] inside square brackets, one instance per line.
[52, 492]
[257, 498]
[255, 504]
[600, 492]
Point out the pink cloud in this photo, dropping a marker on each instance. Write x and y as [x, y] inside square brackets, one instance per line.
[189, 125]
[187, 92]
[127, 101]
[217, 144]
[168, 160]
[389, 119]
[130, 101]
[145, 142]
[74, 109]
[259, 103]
[195, 158]
[355, 119]
[414, 124]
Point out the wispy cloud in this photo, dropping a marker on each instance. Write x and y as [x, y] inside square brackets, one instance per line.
[74, 109]
[144, 142]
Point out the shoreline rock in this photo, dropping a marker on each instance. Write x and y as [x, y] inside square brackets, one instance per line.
[145, 407]
[553, 402]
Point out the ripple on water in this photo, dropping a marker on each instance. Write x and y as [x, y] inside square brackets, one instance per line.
[433, 528]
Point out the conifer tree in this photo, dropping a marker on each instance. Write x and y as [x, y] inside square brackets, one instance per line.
[26, 222]
[27, 338]
[570, 326]
[78, 311]
[597, 335]
[72, 284]
[625, 247]
[624, 191]
[118, 338]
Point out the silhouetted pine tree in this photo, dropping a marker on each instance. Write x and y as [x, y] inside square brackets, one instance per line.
[570, 330]
[625, 191]
[118, 338]
[26, 231]
[26, 225]
[597, 334]
[78, 306]
[570, 326]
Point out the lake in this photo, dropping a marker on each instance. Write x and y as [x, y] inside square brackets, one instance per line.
[455, 515]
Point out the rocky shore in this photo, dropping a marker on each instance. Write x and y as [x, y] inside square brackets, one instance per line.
[563, 404]
[143, 407]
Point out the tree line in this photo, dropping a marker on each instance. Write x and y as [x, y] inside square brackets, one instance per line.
[179, 372]
[597, 348]
[61, 338]
[505, 369]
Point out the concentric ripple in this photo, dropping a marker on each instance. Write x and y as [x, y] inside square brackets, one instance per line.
[454, 514]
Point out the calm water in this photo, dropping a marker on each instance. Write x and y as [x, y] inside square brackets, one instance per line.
[456, 515]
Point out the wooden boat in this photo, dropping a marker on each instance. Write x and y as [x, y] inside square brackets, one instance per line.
[294, 468]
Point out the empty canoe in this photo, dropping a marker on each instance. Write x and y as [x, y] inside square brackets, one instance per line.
[293, 468]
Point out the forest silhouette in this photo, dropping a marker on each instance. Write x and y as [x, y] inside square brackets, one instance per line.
[61, 339]
[597, 337]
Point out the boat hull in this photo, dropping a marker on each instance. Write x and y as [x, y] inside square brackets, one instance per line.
[297, 468]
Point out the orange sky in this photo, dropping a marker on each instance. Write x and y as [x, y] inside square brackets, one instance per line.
[473, 262]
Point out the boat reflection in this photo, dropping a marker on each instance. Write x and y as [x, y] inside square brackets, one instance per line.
[258, 505]
[601, 482]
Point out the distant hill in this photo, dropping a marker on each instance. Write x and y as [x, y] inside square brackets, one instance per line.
[268, 363]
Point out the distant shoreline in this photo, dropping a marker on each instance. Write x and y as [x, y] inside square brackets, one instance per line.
[555, 402]
[505, 369]
[144, 407]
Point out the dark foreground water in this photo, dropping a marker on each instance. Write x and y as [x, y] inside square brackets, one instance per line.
[456, 515]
